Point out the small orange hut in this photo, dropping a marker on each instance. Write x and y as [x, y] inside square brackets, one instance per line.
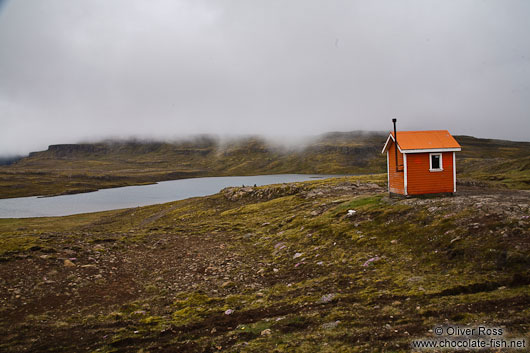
[423, 163]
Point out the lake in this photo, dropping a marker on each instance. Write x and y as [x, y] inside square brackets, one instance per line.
[134, 196]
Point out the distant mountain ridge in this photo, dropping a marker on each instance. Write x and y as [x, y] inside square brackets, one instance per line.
[73, 168]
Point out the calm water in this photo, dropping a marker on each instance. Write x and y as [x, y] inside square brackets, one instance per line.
[133, 196]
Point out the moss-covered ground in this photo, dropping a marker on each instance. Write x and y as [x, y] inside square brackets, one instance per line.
[323, 266]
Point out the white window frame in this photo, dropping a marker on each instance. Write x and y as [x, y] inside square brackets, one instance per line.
[430, 162]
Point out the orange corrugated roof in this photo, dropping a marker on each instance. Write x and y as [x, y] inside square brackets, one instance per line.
[416, 140]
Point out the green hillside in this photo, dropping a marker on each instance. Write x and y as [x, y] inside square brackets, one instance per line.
[494, 162]
[87, 167]
[78, 168]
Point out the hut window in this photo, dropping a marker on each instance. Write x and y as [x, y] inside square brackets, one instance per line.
[435, 160]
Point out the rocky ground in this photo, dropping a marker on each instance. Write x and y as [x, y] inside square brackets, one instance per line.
[327, 265]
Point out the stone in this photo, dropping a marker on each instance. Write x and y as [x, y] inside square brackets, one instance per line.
[330, 325]
[327, 298]
[279, 245]
[455, 239]
[266, 332]
[369, 261]
[68, 263]
[227, 284]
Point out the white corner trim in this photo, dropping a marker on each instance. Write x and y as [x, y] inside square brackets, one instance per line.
[405, 172]
[386, 143]
[388, 170]
[454, 173]
[441, 162]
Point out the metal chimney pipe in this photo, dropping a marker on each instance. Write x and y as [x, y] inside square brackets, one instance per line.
[395, 142]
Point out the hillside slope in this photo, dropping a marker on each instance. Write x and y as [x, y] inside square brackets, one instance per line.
[86, 167]
[281, 268]
[495, 162]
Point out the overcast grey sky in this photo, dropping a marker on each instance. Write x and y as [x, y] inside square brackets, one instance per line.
[91, 69]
